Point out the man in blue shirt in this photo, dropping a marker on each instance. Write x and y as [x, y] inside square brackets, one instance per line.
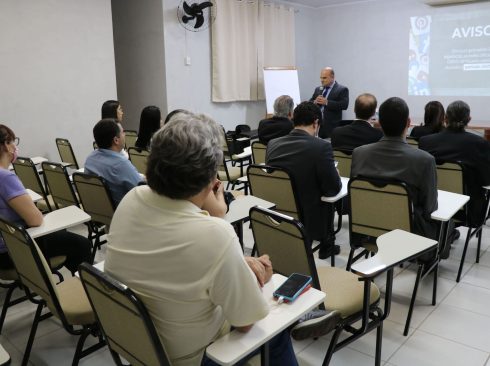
[108, 162]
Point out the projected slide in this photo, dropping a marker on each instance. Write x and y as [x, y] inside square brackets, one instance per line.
[450, 55]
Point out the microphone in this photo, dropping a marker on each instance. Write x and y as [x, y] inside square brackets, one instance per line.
[321, 89]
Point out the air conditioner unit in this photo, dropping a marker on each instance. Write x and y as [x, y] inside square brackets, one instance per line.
[449, 2]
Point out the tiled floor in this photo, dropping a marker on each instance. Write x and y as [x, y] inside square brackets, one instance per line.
[454, 332]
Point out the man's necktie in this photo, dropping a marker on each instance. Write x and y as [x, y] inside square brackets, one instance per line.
[325, 91]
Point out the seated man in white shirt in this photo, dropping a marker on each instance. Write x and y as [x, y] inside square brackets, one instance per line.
[187, 266]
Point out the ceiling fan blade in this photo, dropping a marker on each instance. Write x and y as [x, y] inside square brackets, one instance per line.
[187, 8]
[205, 5]
[199, 21]
[185, 19]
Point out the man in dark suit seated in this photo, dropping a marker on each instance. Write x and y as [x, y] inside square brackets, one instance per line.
[393, 158]
[280, 124]
[359, 132]
[455, 144]
[310, 162]
[332, 98]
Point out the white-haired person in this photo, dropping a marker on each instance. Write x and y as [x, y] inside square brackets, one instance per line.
[280, 123]
[186, 265]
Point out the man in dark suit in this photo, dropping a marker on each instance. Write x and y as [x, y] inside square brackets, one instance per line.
[332, 98]
[455, 144]
[359, 132]
[393, 158]
[310, 163]
[280, 124]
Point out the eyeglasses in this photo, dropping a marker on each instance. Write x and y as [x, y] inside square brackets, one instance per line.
[16, 141]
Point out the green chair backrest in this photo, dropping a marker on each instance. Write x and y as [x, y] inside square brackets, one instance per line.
[126, 323]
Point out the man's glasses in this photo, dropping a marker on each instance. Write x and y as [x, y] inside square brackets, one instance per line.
[16, 141]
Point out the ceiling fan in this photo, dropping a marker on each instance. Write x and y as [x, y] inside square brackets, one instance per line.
[196, 16]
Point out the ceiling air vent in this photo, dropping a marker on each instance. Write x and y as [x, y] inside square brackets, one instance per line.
[450, 2]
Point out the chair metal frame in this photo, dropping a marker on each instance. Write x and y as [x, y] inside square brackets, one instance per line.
[412, 141]
[26, 170]
[10, 287]
[99, 219]
[378, 184]
[258, 152]
[231, 154]
[116, 293]
[388, 187]
[15, 283]
[256, 173]
[451, 177]
[223, 167]
[65, 195]
[240, 128]
[62, 191]
[66, 153]
[371, 315]
[131, 137]
[281, 199]
[138, 158]
[11, 233]
[344, 158]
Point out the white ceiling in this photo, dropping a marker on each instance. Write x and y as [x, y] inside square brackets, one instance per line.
[322, 3]
[325, 3]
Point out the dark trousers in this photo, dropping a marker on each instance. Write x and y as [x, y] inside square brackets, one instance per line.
[281, 352]
[75, 247]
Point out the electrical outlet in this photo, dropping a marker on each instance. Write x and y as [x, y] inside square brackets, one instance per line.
[187, 60]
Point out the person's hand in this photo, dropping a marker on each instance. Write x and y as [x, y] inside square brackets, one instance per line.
[265, 260]
[218, 189]
[321, 100]
[259, 269]
[215, 201]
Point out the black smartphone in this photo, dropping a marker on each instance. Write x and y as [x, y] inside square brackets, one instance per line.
[293, 287]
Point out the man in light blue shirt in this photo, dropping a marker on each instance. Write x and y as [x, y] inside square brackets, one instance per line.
[108, 162]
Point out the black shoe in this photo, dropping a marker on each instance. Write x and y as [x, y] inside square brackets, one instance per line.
[444, 254]
[324, 252]
[315, 324]
[454, 235]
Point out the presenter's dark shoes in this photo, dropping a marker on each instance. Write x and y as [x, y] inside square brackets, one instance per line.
[315, 324]
[326, 251]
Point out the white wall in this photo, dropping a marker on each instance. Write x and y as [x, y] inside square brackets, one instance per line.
[307, 50]
[189, 87]
[57, 65]
[367, 44]
[140, 57]
[365, 41]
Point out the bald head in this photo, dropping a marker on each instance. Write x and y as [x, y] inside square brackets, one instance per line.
[365, 106]
[327, 76]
